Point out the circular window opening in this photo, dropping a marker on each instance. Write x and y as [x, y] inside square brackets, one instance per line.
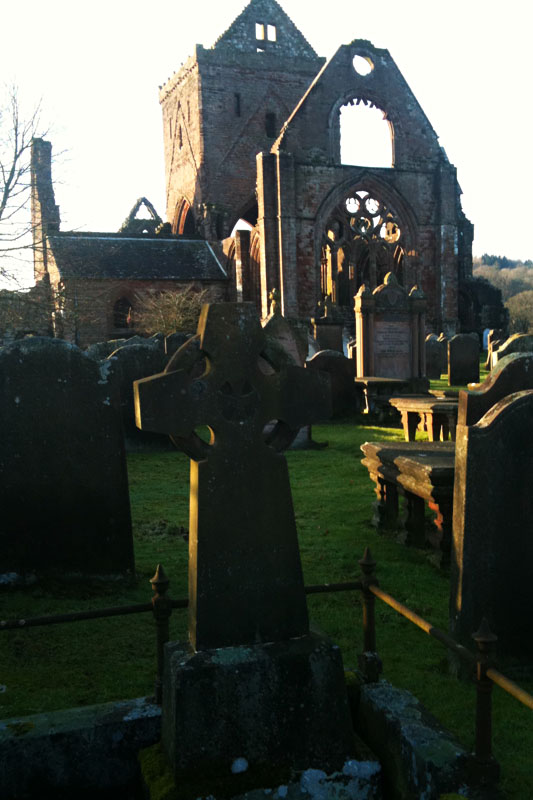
[362, 65]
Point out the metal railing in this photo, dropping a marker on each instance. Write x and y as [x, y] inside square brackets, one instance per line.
[484, 768]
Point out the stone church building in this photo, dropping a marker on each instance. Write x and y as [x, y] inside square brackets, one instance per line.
[258, 196]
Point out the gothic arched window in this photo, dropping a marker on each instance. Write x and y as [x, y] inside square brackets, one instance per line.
[361, 242]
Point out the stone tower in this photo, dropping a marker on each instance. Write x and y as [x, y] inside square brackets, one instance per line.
[225, 105]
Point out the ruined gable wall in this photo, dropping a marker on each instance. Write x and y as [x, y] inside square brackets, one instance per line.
[422, 186]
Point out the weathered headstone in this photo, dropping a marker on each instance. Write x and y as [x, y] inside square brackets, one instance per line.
[327, 329]
[131, 362]
[286, 344]
[101, 350]
[174, 341]
[390, 331]
[495, 338]
[518, 343]
[463, 359]
[492, 544]
[443, 339]
[342, 373]
[258, 685]
[433, 357]
[63, 480]
[514, 373]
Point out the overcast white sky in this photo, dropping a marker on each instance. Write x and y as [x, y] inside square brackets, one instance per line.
[98, 66]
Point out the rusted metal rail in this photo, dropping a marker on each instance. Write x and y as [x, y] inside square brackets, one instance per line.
[484, 768]
[139, 608]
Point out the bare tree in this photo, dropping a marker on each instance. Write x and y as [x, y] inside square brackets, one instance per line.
[16, 133]
[169, 311]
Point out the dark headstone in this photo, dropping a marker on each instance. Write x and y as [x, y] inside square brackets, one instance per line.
[63, 480]
[131, 362]
[518, 343]
[286, 344]
[512, 374]
[259, 686]
[463, 359]
[495, 338]
[342, 374]
[443, 339]
[174, 341]
[327, 328]
[493, 547]
[433, 357]
[102, 350]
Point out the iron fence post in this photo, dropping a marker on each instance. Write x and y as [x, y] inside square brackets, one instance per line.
[369, 661]
[162, 608]
[484, 768]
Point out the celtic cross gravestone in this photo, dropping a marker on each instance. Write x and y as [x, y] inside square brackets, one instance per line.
[245, 578]
[255, 684]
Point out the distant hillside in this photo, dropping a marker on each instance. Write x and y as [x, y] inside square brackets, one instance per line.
[515, 281]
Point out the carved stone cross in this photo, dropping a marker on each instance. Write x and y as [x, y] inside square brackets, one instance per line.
[245, 576]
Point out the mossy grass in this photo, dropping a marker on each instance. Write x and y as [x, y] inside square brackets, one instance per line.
[60, 666]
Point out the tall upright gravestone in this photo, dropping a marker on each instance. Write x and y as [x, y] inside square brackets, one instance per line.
[492, 559]
[63, 480]
[253, 682]
[463, 359]
[390, 331]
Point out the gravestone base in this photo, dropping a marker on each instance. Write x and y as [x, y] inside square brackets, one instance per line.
[280, 703]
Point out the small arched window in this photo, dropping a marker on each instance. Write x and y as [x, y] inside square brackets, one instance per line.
[122, 314]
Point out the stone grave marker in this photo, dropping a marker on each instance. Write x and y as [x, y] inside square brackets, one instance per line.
[463, 359]
[327, 329]
[517, 343]
[443, 339]
[286, 344]
[492, 555]
[256, 683]
[131, 362]
[342, 373]
[101, 350]
[495, 338]
[174, 341]
[514, 373]
[390, 331]
[433, 357]
[63, 480]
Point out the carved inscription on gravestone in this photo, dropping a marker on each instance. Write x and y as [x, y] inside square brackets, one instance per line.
[392, 337]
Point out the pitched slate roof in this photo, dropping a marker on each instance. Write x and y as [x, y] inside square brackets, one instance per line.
[115, 256]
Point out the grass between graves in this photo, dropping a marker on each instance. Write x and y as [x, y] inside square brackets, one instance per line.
[44, 669]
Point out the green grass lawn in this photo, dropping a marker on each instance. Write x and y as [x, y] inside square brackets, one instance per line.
[58, 666]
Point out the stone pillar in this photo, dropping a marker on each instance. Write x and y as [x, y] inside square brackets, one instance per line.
[267, 221]
[364, 332]
[242, 265]
[418, 323]
[287, 235]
